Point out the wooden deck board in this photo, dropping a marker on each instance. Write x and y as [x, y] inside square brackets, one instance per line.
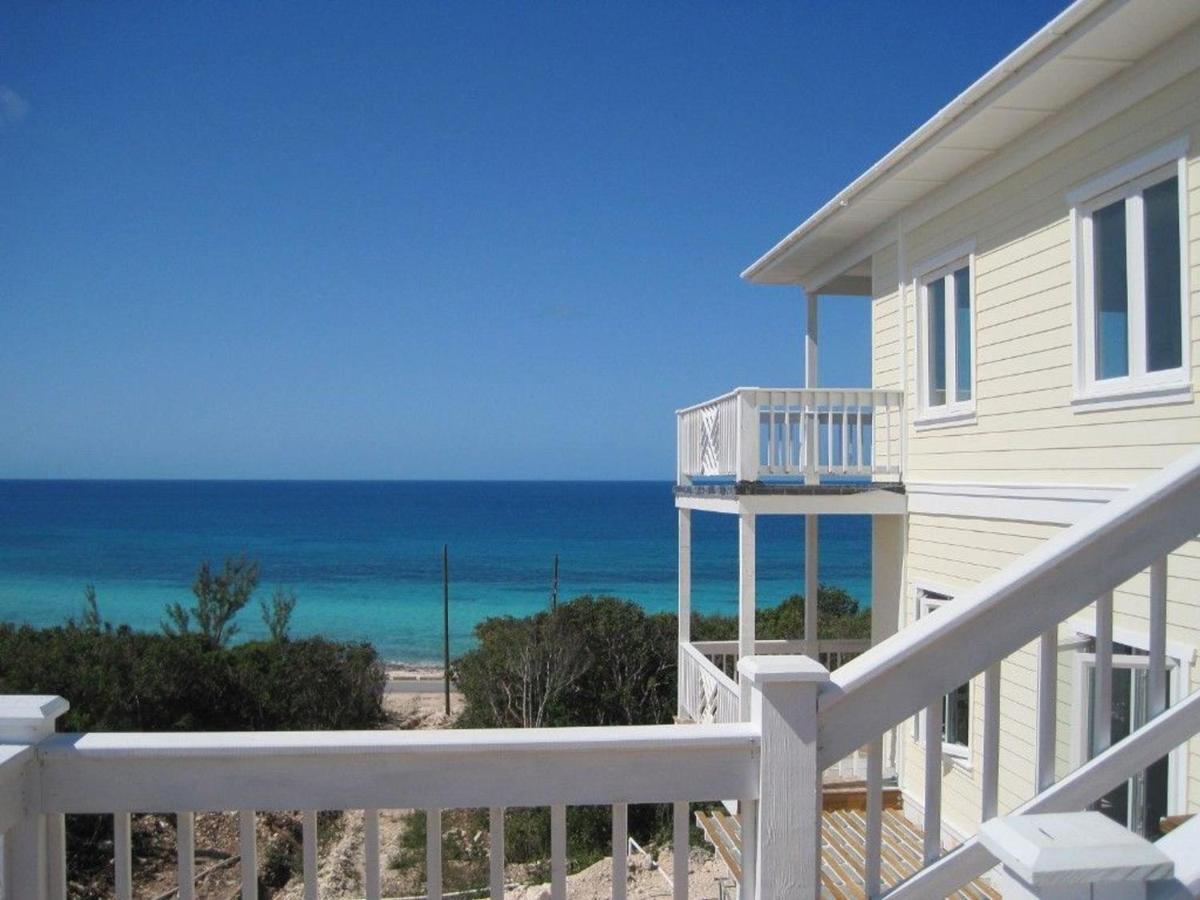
[843, 839]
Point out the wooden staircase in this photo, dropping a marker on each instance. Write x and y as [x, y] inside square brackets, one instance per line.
[843, 841]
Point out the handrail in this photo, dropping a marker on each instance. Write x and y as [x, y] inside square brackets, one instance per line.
[102, 772]
[710, 667]
[1083, 786]
[896, 678]
[773, 646]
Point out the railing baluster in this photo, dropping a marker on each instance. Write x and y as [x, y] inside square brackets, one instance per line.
[991, 741]
[1102, 718]
[185, 851]
[309, 837]
[679, 851]
[433, 853]
[1157, 683]
[787, 432]
[748, 816]
[845, 433]
[887, 425]
[248, 849]
[858, 433]
[496, 852]
[371, 870]
[122, 857]
[558, 853]
[933, 781]
[620, 850]
[1047, 710]
[56, 856]
[873, 848]
[828, 431]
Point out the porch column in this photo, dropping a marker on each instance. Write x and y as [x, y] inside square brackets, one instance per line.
[685, 595]
[812, 584]
[810, 341]
[887, 564]
[746, 602]
[811, 536]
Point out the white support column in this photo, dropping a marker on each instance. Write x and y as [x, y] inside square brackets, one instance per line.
[685, 599]
[887, 572]
[1102, 694]
[812, 583]
[811, 333]
[1047, 710]
[746, 601]
[1157, 675]
[784, 705]
[27, 720]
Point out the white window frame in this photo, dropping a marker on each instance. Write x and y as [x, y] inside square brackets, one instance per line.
[934, 268]
[959, 754]
[1180, 658]
[1126, 182]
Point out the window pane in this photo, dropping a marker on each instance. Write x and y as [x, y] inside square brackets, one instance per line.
[962, 334]
[935, 293]
[956, 727]
[1164, 338]
[1112, 291]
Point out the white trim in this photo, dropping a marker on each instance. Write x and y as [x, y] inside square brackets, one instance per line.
[1179, 675]
[942, 266]
[1125, 183]
[1046, 504]
[1130, 170]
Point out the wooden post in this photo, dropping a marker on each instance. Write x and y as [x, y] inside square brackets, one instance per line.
[685, 600]
[784, 705]
[28, 720]
[812, 584]
[446, 622]
[746, 601]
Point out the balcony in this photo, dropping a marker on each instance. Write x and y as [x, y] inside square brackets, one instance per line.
[764, 440]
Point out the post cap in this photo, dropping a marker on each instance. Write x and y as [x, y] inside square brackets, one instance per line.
[1072, 849]
[27, 718]
[783, 668]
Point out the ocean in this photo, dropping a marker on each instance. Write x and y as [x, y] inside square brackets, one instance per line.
[364, 558]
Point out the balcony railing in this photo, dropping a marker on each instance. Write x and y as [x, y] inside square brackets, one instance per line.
[802, 434]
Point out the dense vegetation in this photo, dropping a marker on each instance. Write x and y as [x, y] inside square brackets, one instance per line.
[597, 661]
[188, 678]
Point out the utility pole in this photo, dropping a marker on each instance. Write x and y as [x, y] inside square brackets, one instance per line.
[554, 586]
[446, 621]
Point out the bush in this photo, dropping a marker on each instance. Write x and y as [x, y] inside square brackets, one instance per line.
[125, 680]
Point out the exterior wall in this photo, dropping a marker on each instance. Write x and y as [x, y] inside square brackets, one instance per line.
[1025, 430]
[951, 554]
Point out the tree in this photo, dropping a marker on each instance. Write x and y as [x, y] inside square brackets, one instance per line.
[219, 597]
[90, 620]
[277, 616]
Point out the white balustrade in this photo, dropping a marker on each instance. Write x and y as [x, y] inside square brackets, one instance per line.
[751, 434]
[278, 771]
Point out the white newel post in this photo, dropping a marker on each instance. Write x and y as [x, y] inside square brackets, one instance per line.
[747, 435]
[25, 873]
[747, 603]
[784, 704]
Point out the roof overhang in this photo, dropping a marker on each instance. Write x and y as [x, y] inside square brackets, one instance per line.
[1087, 44]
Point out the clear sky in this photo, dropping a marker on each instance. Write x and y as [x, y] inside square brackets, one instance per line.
[429, 240]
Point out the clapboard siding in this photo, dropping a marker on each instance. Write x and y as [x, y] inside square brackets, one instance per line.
[1026, 429]
[955, 553]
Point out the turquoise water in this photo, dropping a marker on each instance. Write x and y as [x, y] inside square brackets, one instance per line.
[365, 557]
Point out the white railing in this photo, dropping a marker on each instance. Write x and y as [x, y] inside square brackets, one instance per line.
[122, 773]
[709, 694]
[792, 433]
[914, 670]
[832, 653]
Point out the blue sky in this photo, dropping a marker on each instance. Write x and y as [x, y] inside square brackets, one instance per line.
[414, 240]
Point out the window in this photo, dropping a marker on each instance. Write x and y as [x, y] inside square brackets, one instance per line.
[946, 311]
[1131, 288]
[956, 706]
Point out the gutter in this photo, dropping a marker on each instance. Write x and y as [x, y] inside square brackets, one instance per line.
[1058, 28]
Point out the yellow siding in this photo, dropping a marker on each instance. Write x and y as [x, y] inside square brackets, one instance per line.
[956, 553]
[1025, 429]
